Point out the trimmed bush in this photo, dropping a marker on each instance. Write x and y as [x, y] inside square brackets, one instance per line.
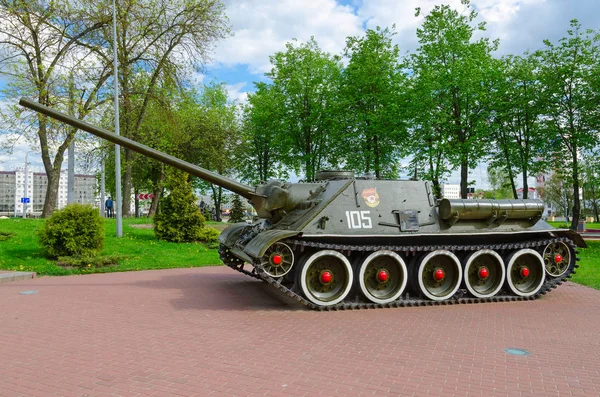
[210, 236]
[76, 230]
[178, 219]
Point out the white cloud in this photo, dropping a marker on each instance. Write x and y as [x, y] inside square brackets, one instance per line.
[235, 93]
[262, 27]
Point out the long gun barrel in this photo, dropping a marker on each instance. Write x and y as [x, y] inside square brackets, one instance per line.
[229, 184]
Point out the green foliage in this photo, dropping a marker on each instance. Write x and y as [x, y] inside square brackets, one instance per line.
[503, 187]
[210, 237]
[5, 236]
[76, 230]
[209, 135]
[178, 219]
[137, 249]
[237, 210]
[260, 155]
[306, 82]
[88, 262]
[207, 214]
[569, 74]
[372, 94]
[451, 97]
[517, 128]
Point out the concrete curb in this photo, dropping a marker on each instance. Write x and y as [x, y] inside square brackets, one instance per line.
[6, 277]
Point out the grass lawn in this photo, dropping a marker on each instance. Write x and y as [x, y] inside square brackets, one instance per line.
[589, 272]
[138, 248]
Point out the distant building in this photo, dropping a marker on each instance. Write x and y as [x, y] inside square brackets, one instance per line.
[12, 185]
[450, 191]
[532, 193]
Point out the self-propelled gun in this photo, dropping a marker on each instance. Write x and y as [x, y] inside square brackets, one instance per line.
[356, 242]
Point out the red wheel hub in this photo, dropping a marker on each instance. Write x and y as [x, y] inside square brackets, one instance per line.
[558, 258]
[438, 275]
[326, 277]
[276, 259]
[484, 272]
[382, 275]
[524, 272]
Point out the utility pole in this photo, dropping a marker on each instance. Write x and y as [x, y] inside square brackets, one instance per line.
[119, 201]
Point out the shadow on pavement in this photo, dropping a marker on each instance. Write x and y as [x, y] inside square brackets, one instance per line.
[209, 291]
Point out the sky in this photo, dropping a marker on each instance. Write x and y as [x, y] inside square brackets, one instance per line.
[260, 28]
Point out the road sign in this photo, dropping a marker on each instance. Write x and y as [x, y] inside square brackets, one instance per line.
[25, 200]
[145, 196]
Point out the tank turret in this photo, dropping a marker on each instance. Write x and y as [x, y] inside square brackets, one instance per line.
[355, 242]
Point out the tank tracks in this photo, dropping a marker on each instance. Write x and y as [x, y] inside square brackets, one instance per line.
[405, 301]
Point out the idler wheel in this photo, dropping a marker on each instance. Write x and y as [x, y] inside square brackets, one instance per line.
[277, 260]
[382, 276]
[525, 272]
[484, 273]
[439, 275]
[557, 258]
[325, 278]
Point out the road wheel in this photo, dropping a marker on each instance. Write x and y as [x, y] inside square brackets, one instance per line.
[278, 260]
[525, 272]
[382, 276]
[325, 278]
[484, 273]
[557, 258]
[439, 275]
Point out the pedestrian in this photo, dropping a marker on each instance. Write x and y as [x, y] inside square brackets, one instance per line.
[109, 208]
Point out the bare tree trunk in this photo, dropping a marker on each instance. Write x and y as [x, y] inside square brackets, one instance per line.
[50, 201]
[464, 179]
[157, 189]
[127, 183]
[576, 198]
[525, 185]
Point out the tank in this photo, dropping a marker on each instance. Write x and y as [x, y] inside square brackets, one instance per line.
[347, 242]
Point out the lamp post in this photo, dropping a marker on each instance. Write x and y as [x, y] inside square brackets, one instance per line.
[118, 200]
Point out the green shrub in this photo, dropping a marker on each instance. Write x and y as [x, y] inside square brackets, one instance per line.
[76, 230]
[178, 219]
[210, 236]
[5, 236]
[237, 210]
[88, 261]
[207, 214]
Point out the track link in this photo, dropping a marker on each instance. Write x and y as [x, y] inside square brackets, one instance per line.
[404, 301]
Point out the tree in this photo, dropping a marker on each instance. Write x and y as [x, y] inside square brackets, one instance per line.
[208, 135]
[591, 181]
[567, 72]
[237, 210]
[162, 40]
[40, 42]
[452, 75]
[371, 96]
[261, 154]
[558, 194]
[518, 132]
[179, 219]
[503, 187]
[306, 80]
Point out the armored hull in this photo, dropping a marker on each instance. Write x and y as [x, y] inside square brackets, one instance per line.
[344, 242]
[361, 243]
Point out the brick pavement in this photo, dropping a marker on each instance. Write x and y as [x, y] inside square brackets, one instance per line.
[214, 332]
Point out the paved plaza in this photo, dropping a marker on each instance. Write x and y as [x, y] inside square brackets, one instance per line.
[214, 332]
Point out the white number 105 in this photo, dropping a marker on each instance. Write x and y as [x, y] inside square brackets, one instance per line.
[359, 219]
